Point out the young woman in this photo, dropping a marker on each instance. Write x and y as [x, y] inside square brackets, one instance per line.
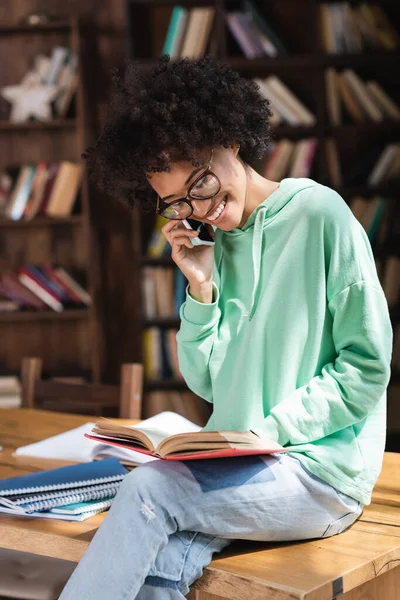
[285, 330]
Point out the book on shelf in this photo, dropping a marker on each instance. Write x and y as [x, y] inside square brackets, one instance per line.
[43, 189]
[387, 166]
[176, 30]
[182, 446]
[348, 28]
[285, 102]
[39, 287]
[363, 100]
[333, 162]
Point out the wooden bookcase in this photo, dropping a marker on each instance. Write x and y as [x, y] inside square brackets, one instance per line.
[303, 70]
[69, 342]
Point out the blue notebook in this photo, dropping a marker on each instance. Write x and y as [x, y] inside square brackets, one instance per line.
[58, 487]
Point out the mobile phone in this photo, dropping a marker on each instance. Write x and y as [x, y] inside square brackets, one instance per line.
[204, 238]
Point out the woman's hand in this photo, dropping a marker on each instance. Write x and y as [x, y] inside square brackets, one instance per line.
[195, 262]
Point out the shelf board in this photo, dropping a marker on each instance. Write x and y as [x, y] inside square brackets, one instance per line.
[38, 125]
[296, 131]
[386, 126]
[163, 322]
[41, 222]
[384, 189]
[66, 315]
[165, 384]
[161, 261]
[298, 61]
[23, 28]
[361, 60]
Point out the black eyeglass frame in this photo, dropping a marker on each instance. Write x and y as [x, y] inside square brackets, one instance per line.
[161, 205]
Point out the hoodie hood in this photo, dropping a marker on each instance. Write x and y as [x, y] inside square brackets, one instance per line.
[255, 225]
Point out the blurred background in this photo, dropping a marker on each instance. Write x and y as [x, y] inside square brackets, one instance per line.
[85, 284]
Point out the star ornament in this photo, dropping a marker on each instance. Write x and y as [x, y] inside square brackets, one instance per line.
[30, 99]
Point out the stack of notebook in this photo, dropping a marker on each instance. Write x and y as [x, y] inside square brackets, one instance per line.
[72, 493]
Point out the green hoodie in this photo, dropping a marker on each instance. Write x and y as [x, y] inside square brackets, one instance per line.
[296, 345]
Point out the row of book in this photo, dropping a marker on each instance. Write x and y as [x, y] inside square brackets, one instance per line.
[253, 34]
[164, 290]
[373, 168]
[349, 28]
[362, 100]
[286, 106]
[41, 288]
[61, 70]
[188, 32]
[42, 189]
[289, 158]
[160, 354]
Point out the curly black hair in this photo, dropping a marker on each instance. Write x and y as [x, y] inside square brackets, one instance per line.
[170, 112]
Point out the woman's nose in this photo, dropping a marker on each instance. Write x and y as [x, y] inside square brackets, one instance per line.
[201, 208]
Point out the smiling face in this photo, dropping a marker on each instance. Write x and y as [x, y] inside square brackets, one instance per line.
[226, 209]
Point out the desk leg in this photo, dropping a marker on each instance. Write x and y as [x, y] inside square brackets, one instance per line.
[383, 587]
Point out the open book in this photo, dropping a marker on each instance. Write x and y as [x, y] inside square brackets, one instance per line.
[182, 446]
[73, 446]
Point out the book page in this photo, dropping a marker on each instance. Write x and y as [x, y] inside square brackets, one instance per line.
[148, 433]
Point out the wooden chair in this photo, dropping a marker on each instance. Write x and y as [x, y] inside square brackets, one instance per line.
[83, 397]
[32, 577]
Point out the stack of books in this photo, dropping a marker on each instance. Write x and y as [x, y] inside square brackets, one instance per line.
[362, 100]
[346, 28]
[40, 288]
[41, 189]
[72, 493]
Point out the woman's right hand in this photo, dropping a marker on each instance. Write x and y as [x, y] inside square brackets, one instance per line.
[195, 262]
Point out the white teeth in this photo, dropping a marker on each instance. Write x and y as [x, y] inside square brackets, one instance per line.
[217, 211]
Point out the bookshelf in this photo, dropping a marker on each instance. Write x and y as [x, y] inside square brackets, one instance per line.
[302, 69]
[69, 342]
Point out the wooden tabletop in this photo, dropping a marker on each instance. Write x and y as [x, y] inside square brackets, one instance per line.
[303, 570]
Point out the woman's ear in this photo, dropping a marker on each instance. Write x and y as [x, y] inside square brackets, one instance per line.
[235, 149]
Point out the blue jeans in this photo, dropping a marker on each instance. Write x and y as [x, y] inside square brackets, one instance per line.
[168, 519]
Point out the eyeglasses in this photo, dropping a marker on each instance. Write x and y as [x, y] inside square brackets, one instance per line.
[206, 186]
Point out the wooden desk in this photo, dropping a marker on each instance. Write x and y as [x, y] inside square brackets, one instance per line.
[362, 562]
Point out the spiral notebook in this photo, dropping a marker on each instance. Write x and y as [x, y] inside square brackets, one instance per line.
[42, 491]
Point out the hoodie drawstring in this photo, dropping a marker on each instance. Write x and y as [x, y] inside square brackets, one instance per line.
[257, 251]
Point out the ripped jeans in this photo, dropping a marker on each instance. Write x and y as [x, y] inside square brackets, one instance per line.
[168, 519]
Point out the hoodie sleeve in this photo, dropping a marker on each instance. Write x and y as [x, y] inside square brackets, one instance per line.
[350, 386]
[199, 324]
